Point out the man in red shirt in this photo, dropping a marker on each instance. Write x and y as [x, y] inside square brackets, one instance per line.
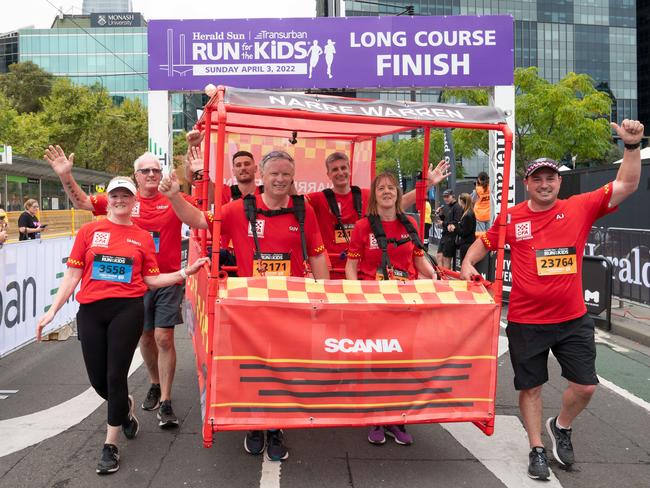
[153, 213]
[274, 245]
[339, 207]
[546, 311]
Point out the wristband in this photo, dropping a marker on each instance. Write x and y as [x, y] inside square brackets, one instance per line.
[632, 147]
[183, 273]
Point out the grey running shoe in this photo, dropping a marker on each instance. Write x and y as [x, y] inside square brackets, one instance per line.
[110, 460]
[131, 426]
[561, 438]
[538, 464]
[166, 415]
[152, 401]
[275, 448]
[254, 442]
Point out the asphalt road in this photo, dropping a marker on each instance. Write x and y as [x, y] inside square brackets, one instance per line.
[611, 438]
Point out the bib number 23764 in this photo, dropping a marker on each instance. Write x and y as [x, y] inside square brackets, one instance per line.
[556, 261]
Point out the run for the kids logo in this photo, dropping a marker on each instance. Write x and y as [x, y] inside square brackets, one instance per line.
[100, 239]
[136, 210]
[373, 241]
[259, 227]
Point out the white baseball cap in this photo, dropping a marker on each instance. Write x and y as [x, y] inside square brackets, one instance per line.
[121, 182]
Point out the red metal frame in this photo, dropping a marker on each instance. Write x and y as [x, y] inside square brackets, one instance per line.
[218, 106]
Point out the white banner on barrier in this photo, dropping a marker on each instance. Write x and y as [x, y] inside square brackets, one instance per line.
[30, 272]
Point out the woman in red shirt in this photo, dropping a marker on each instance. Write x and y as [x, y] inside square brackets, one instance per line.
[401, 259]
[115, 261]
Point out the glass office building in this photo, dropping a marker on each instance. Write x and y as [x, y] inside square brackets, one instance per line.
[596, 37]
[106, 6]
[8, 50]
[115, 58]
[643, 57]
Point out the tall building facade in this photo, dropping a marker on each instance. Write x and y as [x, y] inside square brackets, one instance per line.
[106, 6]
[596, 37]
[115, 57]
[8, 50]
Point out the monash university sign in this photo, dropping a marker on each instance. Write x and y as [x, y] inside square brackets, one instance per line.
[121, 19]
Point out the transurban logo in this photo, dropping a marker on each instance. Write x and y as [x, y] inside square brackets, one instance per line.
[362, 345]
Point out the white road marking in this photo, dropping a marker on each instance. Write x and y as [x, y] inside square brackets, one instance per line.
[21, 432]
[505, 453]
[625, 394]
[601, 337]
[270, 473]
[4, 394]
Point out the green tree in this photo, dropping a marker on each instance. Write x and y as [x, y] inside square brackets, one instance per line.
[560, 120]
[25, 85]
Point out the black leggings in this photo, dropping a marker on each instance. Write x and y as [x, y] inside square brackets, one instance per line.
[109, 331]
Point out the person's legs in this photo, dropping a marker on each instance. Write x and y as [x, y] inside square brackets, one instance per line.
[91, 326]
[530, 405]
[166, 360]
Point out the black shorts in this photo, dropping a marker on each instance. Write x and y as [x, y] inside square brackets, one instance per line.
[447, 246]
[162, 307]
[572, 343]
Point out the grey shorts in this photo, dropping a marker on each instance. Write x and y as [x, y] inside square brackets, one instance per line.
[162, 307]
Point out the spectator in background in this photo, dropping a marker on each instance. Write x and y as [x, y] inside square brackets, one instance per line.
[427, 223]
[449, 213]
[465, 228]
[481, 201]
[28, 225]
[4, 226]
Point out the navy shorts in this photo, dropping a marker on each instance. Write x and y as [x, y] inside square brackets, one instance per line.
[162, 307]
[572, 343]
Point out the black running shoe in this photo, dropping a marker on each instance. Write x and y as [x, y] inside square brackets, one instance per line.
[254, 442]
[275, 448]
[538, 464]
[131, 426]
[152, 401]
[166, 415]
[110, 460]
[561, 438]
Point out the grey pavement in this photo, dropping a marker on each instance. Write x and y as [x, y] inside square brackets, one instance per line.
[612, 437]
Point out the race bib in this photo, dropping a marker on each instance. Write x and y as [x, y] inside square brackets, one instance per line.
[342, 236]
[156, 239]
[112, 268]
[272, 264]
[556, 261]
[397, 274]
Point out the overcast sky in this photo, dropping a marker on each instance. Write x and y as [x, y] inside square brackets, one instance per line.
[40, 13]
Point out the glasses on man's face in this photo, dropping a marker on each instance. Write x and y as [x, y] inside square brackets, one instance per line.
[146, 171]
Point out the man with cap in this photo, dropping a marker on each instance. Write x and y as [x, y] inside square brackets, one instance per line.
[449, 213]
[546, 310]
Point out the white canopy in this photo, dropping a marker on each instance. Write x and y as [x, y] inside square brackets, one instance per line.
[645, 154]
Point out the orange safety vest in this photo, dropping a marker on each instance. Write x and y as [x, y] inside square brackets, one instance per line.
[482, 205]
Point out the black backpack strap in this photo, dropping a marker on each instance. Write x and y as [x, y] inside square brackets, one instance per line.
[235, 192]
[356, 200]
[334, 208]
[299, 212]
[382, 242]
[250, 210]
[260, 188]
[414, 236]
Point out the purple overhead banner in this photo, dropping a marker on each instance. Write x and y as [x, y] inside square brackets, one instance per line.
[354, 52]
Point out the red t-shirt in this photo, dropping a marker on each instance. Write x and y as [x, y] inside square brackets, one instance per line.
[155, 215]
[114, 258]
[279, 238]
[546, 250]
[333, 238]
[363, 246]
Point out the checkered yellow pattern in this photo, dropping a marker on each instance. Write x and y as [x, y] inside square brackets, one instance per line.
[299, 290]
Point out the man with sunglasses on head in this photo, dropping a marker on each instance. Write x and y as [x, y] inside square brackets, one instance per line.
[154, 213]
[546, 310]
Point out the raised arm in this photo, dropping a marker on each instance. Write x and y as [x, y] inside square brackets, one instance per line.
[62, 166]
[434, 176]
[185, 211]
[629, 173]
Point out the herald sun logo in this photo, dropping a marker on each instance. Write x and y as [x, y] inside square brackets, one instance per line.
[362, 345]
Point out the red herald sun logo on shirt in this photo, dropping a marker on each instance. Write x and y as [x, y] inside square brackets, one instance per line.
[100, 239]
[523, 231]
